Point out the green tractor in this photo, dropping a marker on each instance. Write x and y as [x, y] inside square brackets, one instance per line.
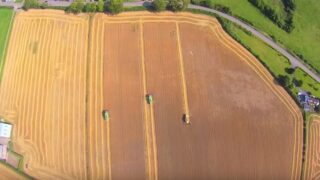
[106, 115]
[149, 98]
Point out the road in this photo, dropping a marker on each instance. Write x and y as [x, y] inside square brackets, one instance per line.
[295, 61]
[11, 4]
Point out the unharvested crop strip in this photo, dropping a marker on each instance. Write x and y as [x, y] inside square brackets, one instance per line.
[101, 61]
[97, 119]
[149, 172]
[83, 94]
[182, 73]
[90, 71]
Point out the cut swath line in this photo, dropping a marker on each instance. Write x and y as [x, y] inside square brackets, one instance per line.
[182, 71]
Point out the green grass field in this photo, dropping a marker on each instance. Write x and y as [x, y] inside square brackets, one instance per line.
[305, 37]
[309, 84]
[277, 6]
[5, 23]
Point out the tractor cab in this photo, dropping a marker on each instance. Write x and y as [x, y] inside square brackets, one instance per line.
[149, 98]
[106, 115]
[186, 118]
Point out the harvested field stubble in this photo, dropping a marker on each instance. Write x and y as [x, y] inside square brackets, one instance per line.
[43, 92]
[312, 163]
[242, 124]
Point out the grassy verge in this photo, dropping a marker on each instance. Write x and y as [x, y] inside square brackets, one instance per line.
[309, 84]
[6, 18]
[302, 41]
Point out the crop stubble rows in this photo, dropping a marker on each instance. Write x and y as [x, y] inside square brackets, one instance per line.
[162, 73]
[312, 167]
[46, 97]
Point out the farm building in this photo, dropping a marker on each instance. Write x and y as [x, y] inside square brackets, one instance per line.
[308, 102]
[5, 130]
[5, 134]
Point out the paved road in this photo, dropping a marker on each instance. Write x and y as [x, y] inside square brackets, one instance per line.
[11, 4]
[295, 61]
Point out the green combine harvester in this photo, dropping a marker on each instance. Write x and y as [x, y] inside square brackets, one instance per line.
[149, 98]
[106, 115]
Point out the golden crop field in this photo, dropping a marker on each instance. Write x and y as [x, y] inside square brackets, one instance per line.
[312, 163]
[62, 71]
[43, 92]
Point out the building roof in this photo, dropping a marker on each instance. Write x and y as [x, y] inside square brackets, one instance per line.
[3, 151]
[5, 130]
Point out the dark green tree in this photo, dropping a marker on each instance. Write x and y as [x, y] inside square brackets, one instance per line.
[159, 5]
[30, 4]
[284, 80]
[178, 5]
[289, 70]
[76, 6]
[90, 7]
[100, 6]
[296, 82]
[115, 6]
[317, 109]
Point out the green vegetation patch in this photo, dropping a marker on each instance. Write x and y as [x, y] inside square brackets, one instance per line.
[309, 84]
[6, 15]
[303, 40]
[279, 11]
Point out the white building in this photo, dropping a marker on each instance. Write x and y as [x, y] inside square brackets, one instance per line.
[5, 130]
[5, 134]
[3, 152]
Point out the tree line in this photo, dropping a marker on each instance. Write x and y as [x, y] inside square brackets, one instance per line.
[112, 6]
[287, 23]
